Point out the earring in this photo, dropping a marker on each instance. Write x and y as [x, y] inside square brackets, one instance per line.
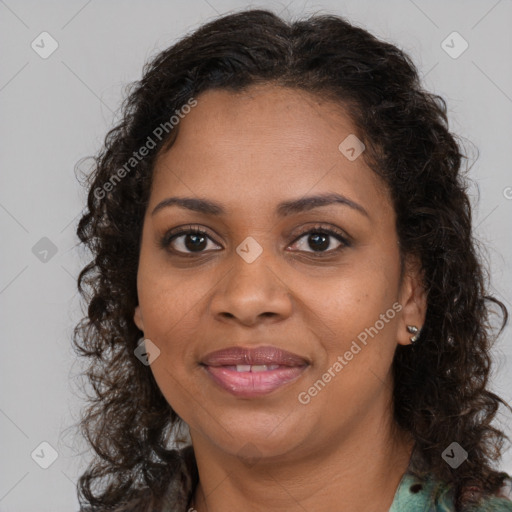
[414, 330]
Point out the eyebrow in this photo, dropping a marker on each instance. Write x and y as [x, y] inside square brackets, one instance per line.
[283, 209]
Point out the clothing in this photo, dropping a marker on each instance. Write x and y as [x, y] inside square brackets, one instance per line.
[415, 494]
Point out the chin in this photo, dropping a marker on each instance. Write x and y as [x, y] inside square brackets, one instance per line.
[257, 436]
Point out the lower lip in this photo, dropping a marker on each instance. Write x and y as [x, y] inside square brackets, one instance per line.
[253, 384]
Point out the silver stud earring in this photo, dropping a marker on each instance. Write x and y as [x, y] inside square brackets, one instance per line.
[414, 330]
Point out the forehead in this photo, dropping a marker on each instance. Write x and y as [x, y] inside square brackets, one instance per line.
[265, 142]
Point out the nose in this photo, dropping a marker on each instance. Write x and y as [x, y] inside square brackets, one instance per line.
[252, 293]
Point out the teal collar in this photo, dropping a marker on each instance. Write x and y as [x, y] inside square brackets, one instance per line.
[420, 495]
[428, 495]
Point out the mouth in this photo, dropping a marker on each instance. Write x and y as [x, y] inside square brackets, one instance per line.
[248, 373]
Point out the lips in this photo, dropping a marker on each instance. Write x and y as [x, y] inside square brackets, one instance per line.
[249, 373]
[267, 355]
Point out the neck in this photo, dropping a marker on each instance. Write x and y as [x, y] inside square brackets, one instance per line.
[354, 472]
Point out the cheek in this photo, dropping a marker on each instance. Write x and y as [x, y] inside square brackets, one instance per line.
[360, 322]
[168, 298]
[352, 301]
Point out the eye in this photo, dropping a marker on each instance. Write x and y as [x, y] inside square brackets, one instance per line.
[320, 241]
[188, 240]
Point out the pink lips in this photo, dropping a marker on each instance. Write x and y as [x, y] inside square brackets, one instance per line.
[247, 382]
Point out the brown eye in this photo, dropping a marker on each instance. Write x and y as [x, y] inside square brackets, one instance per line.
[321, 241]
[187, 241]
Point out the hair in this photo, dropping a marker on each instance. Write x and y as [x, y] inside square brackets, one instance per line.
[441, 383]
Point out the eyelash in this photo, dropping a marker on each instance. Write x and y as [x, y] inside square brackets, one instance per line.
[194, 230]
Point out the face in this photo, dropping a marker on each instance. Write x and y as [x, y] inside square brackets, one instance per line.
[263, 266]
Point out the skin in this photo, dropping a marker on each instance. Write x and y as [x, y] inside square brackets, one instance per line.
[251, 151]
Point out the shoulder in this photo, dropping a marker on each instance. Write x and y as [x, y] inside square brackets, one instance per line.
[425, 494]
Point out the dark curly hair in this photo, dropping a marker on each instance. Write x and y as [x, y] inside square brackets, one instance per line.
[441, 384]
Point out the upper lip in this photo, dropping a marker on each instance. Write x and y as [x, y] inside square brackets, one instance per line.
[253, 356]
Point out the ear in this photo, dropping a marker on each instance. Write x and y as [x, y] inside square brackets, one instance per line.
[137, 318]
[413, 298]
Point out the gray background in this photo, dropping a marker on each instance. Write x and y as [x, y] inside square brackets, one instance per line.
[57, 110]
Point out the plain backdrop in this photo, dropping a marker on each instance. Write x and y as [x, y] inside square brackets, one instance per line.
[57, 110]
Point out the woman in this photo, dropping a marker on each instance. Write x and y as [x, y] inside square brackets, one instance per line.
[284, 265]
